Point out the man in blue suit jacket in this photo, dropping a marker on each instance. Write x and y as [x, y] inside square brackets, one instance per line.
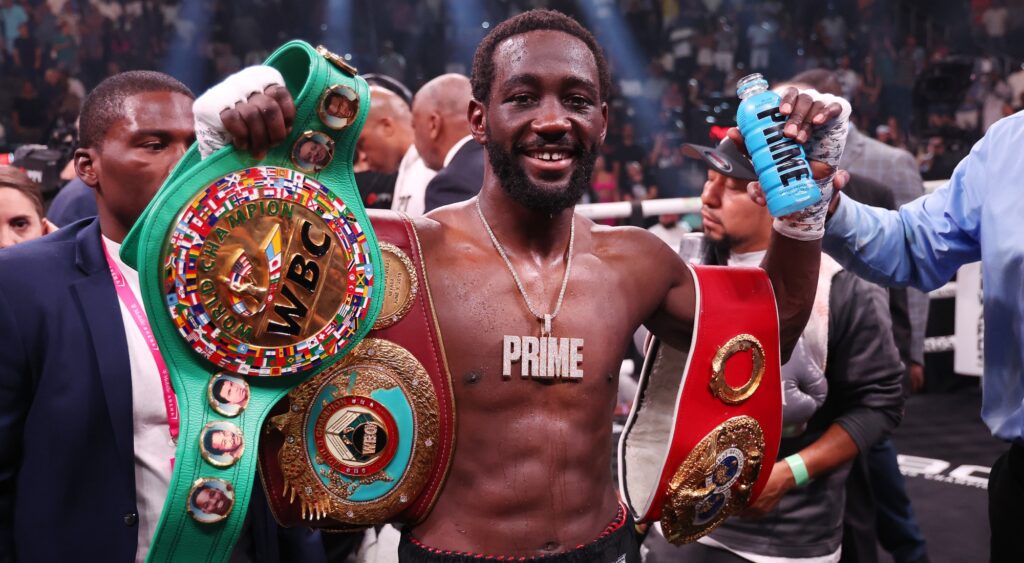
[74, 483]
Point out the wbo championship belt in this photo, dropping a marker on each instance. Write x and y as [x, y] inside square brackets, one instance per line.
[370, 439]
[256, 275]
[704, 430]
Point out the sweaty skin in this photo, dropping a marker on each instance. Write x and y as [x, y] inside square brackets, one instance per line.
[531, 471]
[530, 474]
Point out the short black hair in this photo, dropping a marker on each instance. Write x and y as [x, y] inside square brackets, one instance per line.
[104, 106]
[208, 443]
[533, 20]
[218, 390]
[195, 496]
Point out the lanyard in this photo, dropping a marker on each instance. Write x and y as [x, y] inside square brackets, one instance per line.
[139, 316]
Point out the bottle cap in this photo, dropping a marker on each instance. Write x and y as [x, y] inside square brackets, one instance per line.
[751, 84]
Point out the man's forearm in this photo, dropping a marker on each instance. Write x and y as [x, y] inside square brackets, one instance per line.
[828, 453]
[792, 267]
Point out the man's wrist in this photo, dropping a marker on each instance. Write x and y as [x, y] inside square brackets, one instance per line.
[798, 469]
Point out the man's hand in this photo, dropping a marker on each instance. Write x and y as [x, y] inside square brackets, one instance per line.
[251, 109]
[805, 113]
[780, 482]
[839, 182]
[262, 121]
[916, 377]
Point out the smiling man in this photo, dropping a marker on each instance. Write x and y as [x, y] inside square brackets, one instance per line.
[529, 476]
[530, 473]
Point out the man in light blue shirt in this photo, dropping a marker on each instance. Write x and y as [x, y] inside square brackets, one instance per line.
[978, 215]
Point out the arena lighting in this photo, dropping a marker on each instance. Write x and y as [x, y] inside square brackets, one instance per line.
[604, 19]
[337, 32]
[469, 25]
[180, 61]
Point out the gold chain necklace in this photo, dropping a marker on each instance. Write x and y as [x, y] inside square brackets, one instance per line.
[543, 357]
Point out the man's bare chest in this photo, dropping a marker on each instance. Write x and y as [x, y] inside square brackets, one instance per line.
[487, 327]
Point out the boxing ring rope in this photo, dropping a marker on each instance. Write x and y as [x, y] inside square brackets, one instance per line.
[684, 205]
[646, 208]
[667, 206]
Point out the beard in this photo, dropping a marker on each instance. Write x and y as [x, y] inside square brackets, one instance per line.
[715, 252]
[514, 182]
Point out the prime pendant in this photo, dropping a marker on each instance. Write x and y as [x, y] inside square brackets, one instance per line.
[543, 357]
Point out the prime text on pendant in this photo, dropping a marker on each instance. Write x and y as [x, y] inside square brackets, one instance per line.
[543, 357]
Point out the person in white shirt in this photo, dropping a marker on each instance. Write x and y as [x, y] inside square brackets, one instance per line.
[386, 140]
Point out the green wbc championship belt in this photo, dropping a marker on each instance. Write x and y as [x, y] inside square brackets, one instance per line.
[256, 275]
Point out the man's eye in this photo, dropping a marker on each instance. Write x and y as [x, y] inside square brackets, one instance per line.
[521, 99]
[155, 146]
[578, 102]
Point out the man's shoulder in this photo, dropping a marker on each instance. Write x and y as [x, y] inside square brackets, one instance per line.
[633, 243]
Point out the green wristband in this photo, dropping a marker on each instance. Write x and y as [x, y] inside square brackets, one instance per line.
[799, 469]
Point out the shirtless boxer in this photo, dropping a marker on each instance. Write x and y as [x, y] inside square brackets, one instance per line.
[530, 474]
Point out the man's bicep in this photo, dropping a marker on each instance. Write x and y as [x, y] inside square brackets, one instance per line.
[672, 320]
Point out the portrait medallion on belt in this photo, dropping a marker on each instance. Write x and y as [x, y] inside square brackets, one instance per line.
[266, 272]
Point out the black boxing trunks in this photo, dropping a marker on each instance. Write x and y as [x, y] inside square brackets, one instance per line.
[617, 543]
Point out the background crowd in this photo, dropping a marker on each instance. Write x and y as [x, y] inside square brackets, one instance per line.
[929, 77]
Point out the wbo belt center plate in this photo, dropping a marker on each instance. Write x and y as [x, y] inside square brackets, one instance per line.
[266, 272]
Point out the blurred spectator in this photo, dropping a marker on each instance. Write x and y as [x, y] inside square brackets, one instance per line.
[390, 62]
[670, 229]
[994, 19]
[638, 186]
[21, 208]
[866, 105]
[760, 36]
[833, 31]
[725, 46]
[64, 49]
[1016, 82]
[28, 115]
[604, 183]
[627, 151]
[996, 99]
[13, 16]
[937, 163]
[848, 79]
[27, 54]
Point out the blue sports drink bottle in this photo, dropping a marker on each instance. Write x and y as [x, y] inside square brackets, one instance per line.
[780, 162]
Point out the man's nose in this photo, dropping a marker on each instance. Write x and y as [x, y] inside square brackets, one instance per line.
[712, 194]
[552, 123]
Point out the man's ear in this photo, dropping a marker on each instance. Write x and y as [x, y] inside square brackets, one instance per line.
[477, 121]
[436, 123]
[388, 127]
[604, 116]
[87, 166]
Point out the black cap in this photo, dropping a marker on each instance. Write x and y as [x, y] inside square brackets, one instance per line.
[726, 159]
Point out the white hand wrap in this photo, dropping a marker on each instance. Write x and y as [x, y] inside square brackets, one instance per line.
[825, 145]
[210, 132]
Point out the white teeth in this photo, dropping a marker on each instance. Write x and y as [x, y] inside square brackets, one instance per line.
[550, 156]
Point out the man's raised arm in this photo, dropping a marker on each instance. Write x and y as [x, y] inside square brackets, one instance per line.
[820, 122]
